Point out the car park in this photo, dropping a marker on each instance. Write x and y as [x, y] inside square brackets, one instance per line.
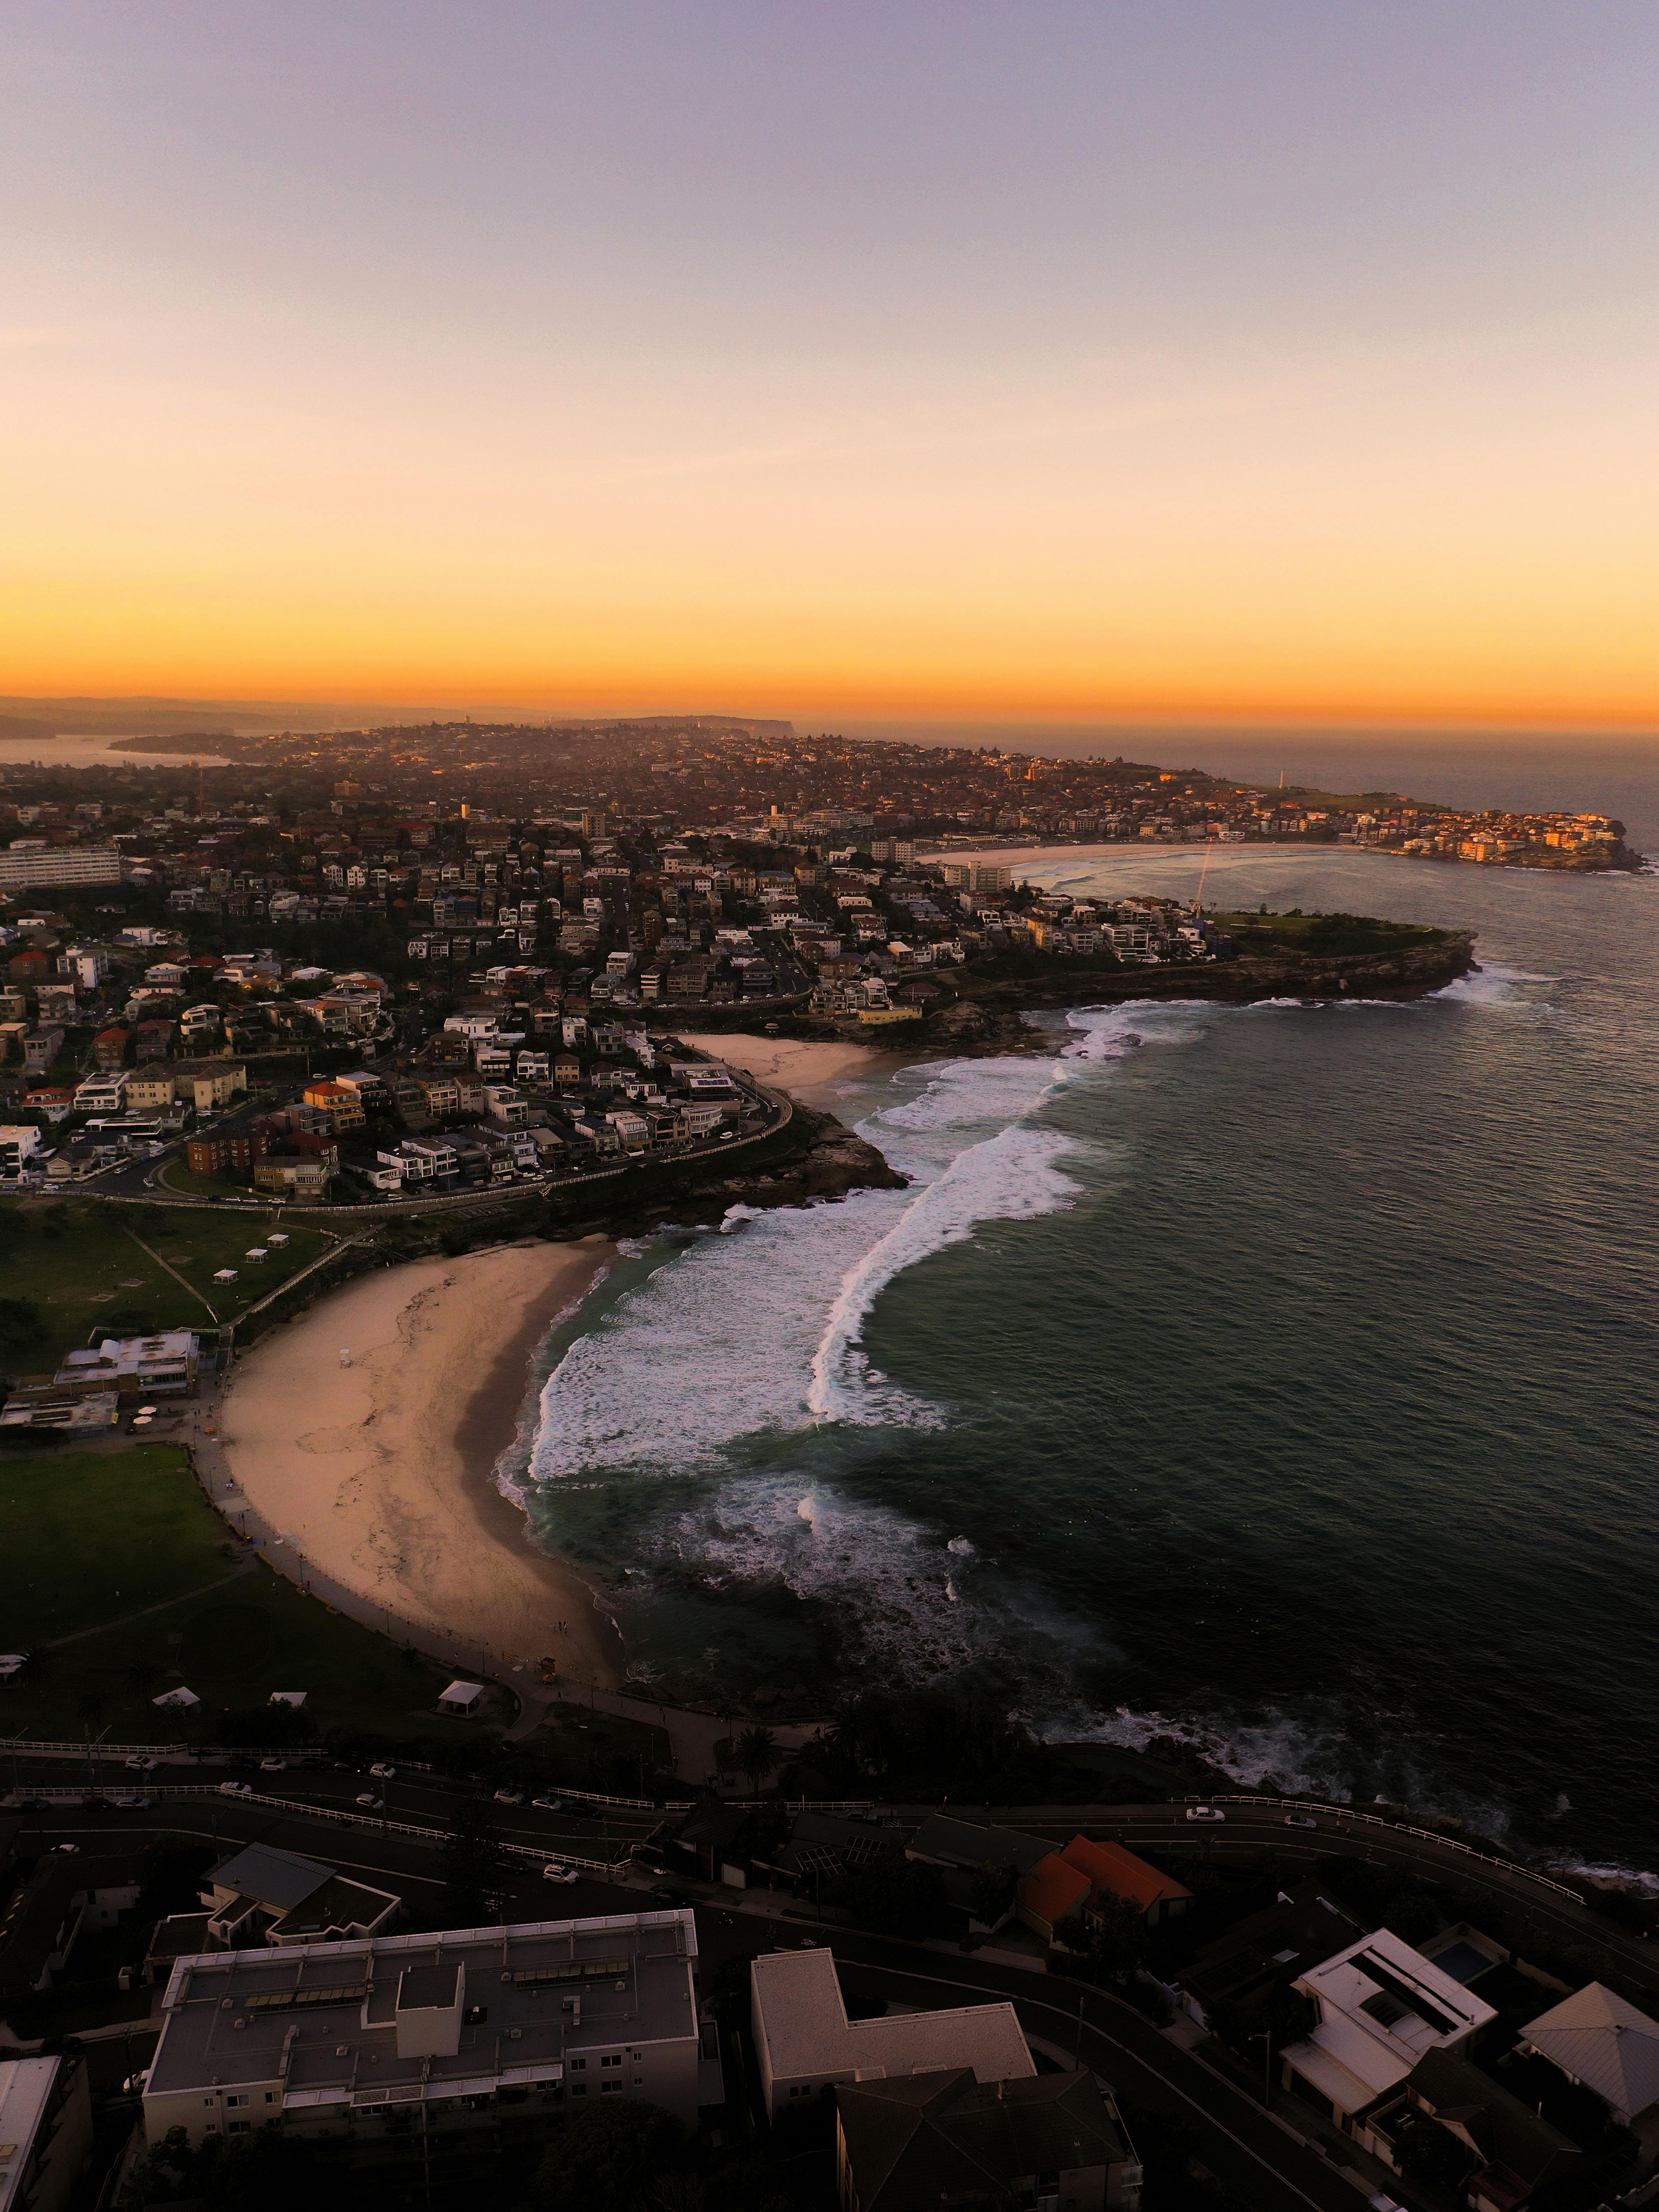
[1204, 1812]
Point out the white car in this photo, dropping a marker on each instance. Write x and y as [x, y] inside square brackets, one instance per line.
[509, 1797]
[382, 1773]
[545, 1804]
[273, 1766]
[66, 1847]
[139, 1764]
[559, 1873]
[128, 1803]
[1299, 1821]
[373, 1803]
[235, 1789]
[1204, 1812]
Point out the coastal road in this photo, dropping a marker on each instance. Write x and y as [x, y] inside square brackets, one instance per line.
[1346, 1833]
[1233, 2137]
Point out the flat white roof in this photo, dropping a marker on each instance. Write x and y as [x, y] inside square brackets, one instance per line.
[1381, 2007]
[802, 2021]
[24, 2093]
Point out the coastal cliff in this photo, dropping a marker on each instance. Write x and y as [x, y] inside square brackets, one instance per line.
[987, 1014]
[817, 1157]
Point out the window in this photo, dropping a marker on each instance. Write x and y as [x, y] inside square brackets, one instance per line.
[579, 2088]
[607, 2088]
[239, 2128]
[240, 2100]
[578, 2065]
[611, 2059]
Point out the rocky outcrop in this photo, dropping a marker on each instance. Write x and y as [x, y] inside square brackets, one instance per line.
[989, 1017]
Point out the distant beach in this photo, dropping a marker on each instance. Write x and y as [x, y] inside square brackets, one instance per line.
[381, 1474]
[799, 1066]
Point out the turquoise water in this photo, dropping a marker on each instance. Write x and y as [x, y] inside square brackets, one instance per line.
[1282, 1375]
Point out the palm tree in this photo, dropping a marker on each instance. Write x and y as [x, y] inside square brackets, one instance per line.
[757, 1752]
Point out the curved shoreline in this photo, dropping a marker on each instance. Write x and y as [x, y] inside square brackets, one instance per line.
[381, 1474]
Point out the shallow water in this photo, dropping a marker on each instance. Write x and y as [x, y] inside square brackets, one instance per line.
[1284, 1376]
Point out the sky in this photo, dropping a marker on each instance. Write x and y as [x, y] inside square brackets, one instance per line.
[1289, 361]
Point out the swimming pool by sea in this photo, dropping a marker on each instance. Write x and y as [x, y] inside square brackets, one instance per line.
[1282, 1377]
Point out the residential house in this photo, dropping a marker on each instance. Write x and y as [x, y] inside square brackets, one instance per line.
[913, 2143]
[1381, 2008]
[1516, 2151]
[805, 2043]
[1114, 1872]
[1598, 2038]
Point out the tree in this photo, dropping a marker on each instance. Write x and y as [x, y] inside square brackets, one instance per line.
[611, 2158]
[474, 1864]
[991, 1891]
[893, 1896]
[1117, 1941]
[1433, 2155]
[756, 1754]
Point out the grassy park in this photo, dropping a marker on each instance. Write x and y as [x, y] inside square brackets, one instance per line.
[127, 1539]
[71, 1265]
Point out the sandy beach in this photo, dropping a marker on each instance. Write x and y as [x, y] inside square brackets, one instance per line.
[797, 1066]
[379, 1473]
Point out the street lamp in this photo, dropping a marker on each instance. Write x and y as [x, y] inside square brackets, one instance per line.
[1266, 2039]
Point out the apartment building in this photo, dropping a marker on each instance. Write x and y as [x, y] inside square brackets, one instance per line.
[357, 2039]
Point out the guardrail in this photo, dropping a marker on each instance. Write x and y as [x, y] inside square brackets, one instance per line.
[173, 1752]
[344, 1816]
[1395, 1827]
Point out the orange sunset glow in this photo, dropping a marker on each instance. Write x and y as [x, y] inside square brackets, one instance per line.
[1149, 408]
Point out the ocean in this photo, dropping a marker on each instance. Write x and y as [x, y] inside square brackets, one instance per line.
[1281, 1378]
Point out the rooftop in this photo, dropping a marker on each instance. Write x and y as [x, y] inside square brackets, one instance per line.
[26, 2086]
[1382, 2007]
[321, 2018]
[802, 2019]
[942, 2137]
[1110, 1867]
[1603, 2042]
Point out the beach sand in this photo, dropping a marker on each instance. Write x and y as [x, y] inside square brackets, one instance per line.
[379, 1473]
[800, 1067]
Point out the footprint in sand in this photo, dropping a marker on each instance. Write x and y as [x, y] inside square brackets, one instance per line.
[323, 1442]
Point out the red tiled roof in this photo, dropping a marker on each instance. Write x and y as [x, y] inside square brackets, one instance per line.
[1052, 1889]
[1110, 1867]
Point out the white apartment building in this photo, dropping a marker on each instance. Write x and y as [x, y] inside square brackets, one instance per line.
[359, 2038]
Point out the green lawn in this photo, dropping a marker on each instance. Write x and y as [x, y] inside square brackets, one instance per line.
[79, 1263]
[99, 1536]
[90, 1535]
[1330, 936]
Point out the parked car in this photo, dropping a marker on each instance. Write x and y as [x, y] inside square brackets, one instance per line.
[509, 1797]
[371, 1802]
[235, 1789]
[557, 1873]
[273, 1766]
[66, 1847]
[140, 1764]
[1299, 1821]
[383, 1773]
[1204, 1812]
[128, 1803]
[545, 1804]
